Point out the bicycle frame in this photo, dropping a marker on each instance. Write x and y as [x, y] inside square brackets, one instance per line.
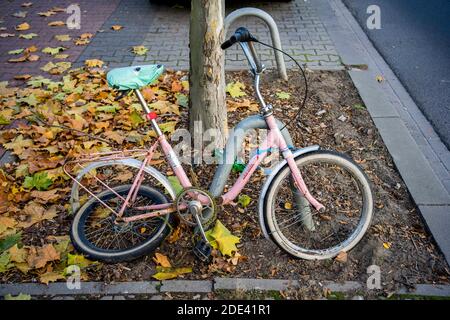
[274, 139]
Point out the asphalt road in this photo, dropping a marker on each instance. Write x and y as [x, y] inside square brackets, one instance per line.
[414, 39]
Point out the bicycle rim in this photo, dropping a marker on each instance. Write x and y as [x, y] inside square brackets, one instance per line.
[340, 185]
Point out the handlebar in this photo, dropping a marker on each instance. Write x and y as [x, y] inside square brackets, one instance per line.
[245, 39]
[240, 35]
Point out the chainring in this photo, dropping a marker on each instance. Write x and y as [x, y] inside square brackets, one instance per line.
[208, 214]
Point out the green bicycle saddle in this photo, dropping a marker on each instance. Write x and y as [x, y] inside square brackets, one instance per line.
[134, 77]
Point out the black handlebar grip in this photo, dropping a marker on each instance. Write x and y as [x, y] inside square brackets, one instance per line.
[229, 43]
[226, 45]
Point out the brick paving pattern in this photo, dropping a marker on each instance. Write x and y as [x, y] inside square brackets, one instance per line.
[302, 35]
[92, 18]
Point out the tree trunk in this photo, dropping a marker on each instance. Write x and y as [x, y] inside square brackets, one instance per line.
[207, 75]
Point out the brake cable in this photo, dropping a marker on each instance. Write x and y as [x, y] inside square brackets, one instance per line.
[298, 116]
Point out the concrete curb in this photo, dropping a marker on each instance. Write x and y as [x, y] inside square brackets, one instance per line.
[406, 133]
[200, 286]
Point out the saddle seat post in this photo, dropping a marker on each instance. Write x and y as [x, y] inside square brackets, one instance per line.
[151, 115]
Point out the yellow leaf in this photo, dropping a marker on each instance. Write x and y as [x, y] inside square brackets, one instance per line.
[235, 89]
[139, 50]
[221, 238]
[63, 37]
[56, 24]
[22, 27]
[288, 206]
[162, 260]
[93, 63]
[387, 245]
[116, 27]
[19, 144]
[175, 235]
[170, 273]
[79, 260]
[17, 254]
[50, 277]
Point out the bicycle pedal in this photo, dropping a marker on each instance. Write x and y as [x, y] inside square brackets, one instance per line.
[203, 250]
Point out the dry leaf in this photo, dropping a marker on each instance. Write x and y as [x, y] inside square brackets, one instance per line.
[93, 63]
[39, 256]
[56, 24]
[22, 27]
[342, 257]
[162, 260]
[50, 277]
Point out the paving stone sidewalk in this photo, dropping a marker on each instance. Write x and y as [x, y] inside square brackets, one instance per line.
[164, 30]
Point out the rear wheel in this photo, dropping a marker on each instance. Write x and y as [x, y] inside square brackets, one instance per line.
[340, 185]
[96, 233]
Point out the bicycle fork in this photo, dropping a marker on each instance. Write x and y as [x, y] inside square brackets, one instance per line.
[302, 196]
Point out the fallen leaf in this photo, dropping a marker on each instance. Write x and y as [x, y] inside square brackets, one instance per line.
[139, 50]
[17, 254]
[162, 260]
[10, 240]
[221, 238]
[50, 277]
[175, 183]
[53, 51]
[17, 51]
[39, 180]
[116, 27]
[28, 36]
[288, 205]
[46, 13]
[33, 57]
[46, 196]
[34, 213]
[175, 235]
[235, 89]
[93, 63]
[244, 200]
[20, 296]
[16, 60]
[22, 27]
[170, 273]
[39, 256]
[23, 77]
[56, 24]
[283, 95]
[342, 257]
[387, 245]
[26, 4]
[63, 37]
[79, 260]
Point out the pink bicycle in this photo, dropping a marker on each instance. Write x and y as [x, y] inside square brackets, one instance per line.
[314, 204]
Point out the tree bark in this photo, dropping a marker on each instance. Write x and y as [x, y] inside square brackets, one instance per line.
[207, 75]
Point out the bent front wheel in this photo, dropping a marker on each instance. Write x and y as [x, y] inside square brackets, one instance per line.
[340, 185]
